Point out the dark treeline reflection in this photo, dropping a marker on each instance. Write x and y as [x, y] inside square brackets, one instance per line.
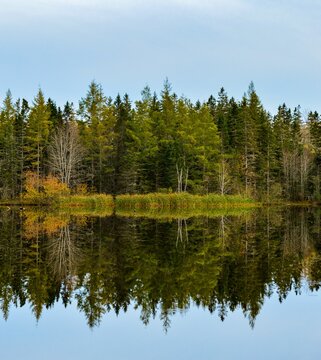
[159, 266]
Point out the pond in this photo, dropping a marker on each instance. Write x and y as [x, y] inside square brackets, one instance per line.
[229, 285]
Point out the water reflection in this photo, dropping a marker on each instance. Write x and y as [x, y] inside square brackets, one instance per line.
[161, 266]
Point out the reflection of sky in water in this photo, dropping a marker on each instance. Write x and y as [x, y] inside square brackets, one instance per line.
[290, 330]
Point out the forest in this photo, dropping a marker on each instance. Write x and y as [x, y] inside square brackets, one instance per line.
[161, 143]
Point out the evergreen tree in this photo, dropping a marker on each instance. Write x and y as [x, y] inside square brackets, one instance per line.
[55, 115]
[124, 168]
[141, 146]
[98, 135]
[37, 135]
[22, 113]
[165, 130]
[8, 158]
[314, 128]
[206, 147]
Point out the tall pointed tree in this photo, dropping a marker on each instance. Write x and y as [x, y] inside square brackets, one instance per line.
[97, 132]
[141, 146]
[21, 119]
[37, 134]
[8, 158]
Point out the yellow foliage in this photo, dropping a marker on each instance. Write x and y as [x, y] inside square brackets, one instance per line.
[36, 223]
[43, 189]
[52, 187]
[32, 185]
[81, 189]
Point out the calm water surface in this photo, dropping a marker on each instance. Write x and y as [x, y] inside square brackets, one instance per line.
[224, 286]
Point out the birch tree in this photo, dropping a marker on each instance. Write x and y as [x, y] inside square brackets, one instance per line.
[66, 154]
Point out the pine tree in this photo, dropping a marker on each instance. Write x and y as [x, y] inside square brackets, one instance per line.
[55, 115]
[165, 130]
[314, 128]
[22, 113]
[287, 151]
[124, 174]
[97, 132]
[221, 115]
[9, 161]
[37, 135]
[141, 146]
[206, 147]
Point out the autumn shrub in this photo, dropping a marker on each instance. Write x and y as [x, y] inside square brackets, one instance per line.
[81, 189]
[32, 186]
[43, 190]
[53, 188]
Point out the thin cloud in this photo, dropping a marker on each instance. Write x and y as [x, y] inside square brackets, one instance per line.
[37, 7]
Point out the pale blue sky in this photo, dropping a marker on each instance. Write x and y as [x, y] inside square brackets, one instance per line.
[200, 45]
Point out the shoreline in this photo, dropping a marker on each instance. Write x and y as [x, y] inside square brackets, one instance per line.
[152, 201]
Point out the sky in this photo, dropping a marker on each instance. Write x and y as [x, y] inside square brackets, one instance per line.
[199, 45]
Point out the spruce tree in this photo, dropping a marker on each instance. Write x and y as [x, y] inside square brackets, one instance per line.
[8, 158]
[37, 135]
[97, 134]
[22, 113]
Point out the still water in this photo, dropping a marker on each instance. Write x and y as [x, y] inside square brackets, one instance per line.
[229, 285]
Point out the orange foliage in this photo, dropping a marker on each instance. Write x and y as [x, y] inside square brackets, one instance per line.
[53, 187]
[32, 184]
[43, 189]
[36, 223]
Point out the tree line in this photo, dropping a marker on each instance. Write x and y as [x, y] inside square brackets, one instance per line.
[161, 143]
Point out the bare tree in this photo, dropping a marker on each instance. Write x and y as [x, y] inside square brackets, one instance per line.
[223, 177]
[64, 255]
[66, 153]
[182, 177]
[181, 237]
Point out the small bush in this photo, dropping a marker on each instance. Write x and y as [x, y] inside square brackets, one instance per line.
[53, 188]
[81, 189]
[43, 190]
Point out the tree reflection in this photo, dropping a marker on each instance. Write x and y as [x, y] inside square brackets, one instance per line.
[160, 266]
[63, 255]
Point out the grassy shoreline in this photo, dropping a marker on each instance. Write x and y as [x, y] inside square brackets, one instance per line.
[63, 202]
[86, 201]
[152, 202]
[140, 201]
[181, 201]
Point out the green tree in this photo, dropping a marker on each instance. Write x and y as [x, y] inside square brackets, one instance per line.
[206, 147]
[8, 156]
[22, 113]
[314, 128]
[37, 134]
[124, 168]
[98, 135]
[141, 146]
